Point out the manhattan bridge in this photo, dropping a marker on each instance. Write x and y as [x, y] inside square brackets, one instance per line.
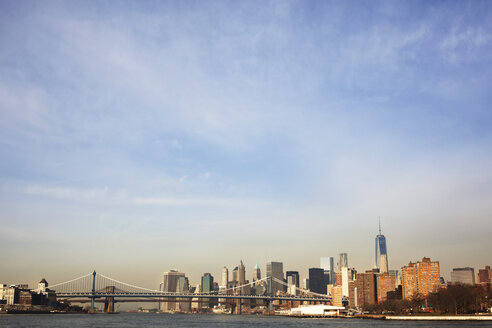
[95, 287]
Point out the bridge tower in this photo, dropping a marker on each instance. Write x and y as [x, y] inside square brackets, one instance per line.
[109, 302]
[93, 290]
[270, 286]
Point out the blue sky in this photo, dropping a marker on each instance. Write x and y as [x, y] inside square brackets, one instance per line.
[140, 137]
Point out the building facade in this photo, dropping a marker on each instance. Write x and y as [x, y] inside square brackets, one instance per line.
[207, 286]
[385, 284]
[256, 273]
[170, 284]
[342, 262]
[381, 258]
[464, 276]
[328, 264]
[336, 295]
[366, 286]
[295, 277]
[241, 274]
[317, 283]
[421, 278]
[484, 275]
[225, 277]
[275, 270]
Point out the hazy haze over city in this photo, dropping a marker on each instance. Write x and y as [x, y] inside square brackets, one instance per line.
[138, 137]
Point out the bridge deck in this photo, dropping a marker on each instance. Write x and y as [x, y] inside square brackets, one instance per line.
[190, 296]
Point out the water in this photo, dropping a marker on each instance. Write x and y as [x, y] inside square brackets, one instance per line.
[195, 320]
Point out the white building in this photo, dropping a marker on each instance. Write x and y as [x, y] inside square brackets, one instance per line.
[317, 310]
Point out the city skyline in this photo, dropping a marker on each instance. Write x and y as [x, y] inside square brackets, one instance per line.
[137, 138]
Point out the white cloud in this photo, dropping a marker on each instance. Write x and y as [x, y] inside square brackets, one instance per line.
[223, 203]
[65, 193]
[461, 42]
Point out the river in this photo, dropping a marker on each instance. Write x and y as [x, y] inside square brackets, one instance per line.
[202, 320]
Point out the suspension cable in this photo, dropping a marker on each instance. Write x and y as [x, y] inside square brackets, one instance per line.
[67, 282]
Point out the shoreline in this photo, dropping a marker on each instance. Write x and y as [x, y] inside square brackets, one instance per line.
[441, 318]
[363, 317]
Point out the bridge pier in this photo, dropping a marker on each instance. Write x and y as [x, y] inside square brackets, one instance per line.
[237, 308]
[109, 302]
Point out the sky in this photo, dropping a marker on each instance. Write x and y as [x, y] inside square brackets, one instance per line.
[138, 137]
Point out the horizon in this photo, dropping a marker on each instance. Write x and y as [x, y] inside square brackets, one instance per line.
[140, 137]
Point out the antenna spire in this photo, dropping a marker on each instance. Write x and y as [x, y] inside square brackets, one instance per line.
[379, 225]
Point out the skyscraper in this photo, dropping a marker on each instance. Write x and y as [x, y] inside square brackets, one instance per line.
[183, 286]
[327, 264]
[347, 275]
[170, 283]
[275, 270]
[292, 278]
[256, 273]
[207, 287]
[225, 277]
[241, 274]
[342, 262]
[381, 260]
[295, 277]
[317, 282]
[234, 276]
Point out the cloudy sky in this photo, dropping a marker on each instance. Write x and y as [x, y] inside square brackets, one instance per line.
[138, 137]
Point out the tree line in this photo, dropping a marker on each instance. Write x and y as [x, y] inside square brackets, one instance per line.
[455, 299]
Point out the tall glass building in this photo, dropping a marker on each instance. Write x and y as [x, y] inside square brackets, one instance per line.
[381, 260]
[275, 270]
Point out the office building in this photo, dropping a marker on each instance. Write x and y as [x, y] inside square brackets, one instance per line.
[381, 260]
[256, 273]
[463, 276]
[305, 284]
[170, 284]
[327, 264]
[207, 286]
[342, 262]
[275, 270]
[347, 275]
[484, 275]
[184, 304]
[420, 278]
[235, 276]
[294, 276]
[241, 274]
[225, 277]
[317, 282]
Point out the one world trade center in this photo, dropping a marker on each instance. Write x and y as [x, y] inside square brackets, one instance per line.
[381, 261]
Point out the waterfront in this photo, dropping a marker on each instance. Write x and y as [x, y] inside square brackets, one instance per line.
[183, 320]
